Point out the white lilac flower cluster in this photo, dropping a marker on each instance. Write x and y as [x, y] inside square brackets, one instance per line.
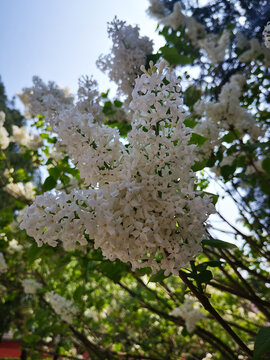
[4, 137]
[52, 102]
[3, 264]
[252, 49]
[22, 136]
[191, 314]
[62, 307]
[195, 30]
[128, 53]
[89, 98]
[21, 190]
[19, 135]
[44, 99]
[225, 115]
[140, 205]
[30, 286]
[14, 246]
[215, 46]
[266, 35]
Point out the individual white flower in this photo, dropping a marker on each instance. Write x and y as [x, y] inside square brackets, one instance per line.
[140, 205]
[4, 137]
[63, 307]
[266, 35]
[208, 357]
[3, 264]
[191, 314]
[128, 53]
[20, 189]
[30, 286]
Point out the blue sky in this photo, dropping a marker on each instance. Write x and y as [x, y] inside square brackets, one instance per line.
[61, 40]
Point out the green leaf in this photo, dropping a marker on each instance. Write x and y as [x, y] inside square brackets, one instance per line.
[114, 270]
[199, 165]
[49, 184]
[55, 172]
[171, 55]
[190, 122]
[31, 338]
[197, 139]
[191, 96]
[152, 57]
[266, 164]
[108, 108]
[262, 344]
[33, 253]
[143, 271]
[213, 196]
[157, 277]
[220, 244]
[229, 138]
[118, 103]
[204, 277]
[104, 95]
[203, 266]
[227, 171]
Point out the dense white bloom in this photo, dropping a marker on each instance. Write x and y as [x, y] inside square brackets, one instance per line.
[63, 307]
[266, 34]
[143, 208]
[42, 99]
[195, 30]
[4, 138]
[255, 49]
[157, 9]
[3, 264]
[128, 53]
[58, 152]
[24, 138]
[30, 286]
[14, 246]
[224, 115]
[89, 98]
[14, 226]
[21, 190]
[95, 149]
[215, 46]
[176, 18]
[191, 314]
[241, 41]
